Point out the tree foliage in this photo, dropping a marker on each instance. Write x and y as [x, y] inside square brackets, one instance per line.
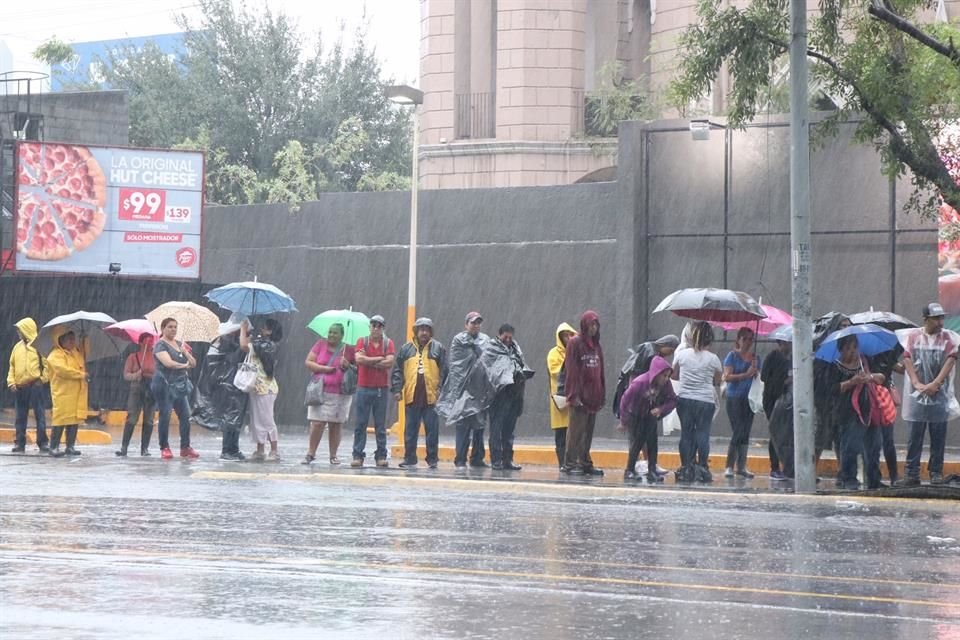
[279, 123]
[53, 51]
[877, 58]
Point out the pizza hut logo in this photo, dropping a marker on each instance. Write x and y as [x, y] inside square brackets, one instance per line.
[186, 257]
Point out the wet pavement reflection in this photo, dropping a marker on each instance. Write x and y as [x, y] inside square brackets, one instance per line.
[99, 547]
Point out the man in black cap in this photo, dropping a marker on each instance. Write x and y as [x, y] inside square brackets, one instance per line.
[375, 355]
[930, 354]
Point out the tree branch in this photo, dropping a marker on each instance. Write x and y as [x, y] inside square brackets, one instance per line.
[881, 11]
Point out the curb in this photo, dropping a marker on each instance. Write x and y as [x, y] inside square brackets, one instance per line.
[611, 459]
[84, 436]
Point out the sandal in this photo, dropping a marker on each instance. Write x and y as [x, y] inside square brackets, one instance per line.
[334, 461]
[309, 459]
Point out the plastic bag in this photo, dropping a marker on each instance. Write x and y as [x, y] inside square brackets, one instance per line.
[756, 395]
[671, 421]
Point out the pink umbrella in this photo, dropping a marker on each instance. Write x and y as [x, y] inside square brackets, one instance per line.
[132, 330]
[775, 319]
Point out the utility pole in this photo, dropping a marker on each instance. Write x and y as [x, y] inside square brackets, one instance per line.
[803, 412]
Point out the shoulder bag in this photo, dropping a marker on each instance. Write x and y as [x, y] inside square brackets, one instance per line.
[245, 379]
[315, 395]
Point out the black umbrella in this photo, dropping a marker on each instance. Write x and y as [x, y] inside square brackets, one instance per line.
[885, 319]
[712, 305]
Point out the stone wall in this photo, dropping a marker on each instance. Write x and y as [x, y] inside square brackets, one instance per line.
[81, 117]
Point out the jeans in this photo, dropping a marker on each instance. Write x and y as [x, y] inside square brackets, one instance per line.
[857, 439]
[696, 418]
[938, 440]
[413, 416]
[580, 439]
[560, 444]
[166, 404]
[504, 412]
[889, 452]
[470, 430]
[643, 433]
[28, 398]
[139, 400]
[741, 421]
[370, 400]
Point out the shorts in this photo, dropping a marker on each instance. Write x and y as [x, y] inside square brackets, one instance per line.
[335, 408]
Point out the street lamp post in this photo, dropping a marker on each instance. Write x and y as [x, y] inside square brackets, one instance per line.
[407, 95]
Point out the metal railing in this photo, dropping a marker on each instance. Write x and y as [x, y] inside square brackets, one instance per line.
[475, 115]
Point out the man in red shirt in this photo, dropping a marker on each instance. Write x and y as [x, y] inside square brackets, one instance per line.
[375, 356]
[138, 371]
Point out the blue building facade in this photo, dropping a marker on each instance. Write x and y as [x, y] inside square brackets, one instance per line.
[86, 67]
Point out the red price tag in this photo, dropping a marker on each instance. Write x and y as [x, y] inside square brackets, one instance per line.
[143, 205]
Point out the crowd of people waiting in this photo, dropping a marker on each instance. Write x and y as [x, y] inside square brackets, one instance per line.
[479, 382]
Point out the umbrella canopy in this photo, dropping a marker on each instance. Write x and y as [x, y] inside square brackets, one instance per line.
[252, 298]
[782, 334]
[712, 305]
[775, 319]
[885, 319]
[355, 324]
[871, 339]
[87, 325]
[194, 323]
[132, 330]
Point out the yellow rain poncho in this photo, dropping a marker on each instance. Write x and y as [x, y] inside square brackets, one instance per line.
[68, 382]
[558, 417]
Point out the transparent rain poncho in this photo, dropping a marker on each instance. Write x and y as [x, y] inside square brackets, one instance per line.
[929, 354]
[467, 391]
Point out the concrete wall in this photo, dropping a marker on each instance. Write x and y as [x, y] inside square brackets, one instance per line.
[82, 117]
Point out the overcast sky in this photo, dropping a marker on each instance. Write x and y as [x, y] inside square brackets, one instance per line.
[394, 25]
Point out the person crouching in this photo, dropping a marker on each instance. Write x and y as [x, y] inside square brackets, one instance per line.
[649, 398]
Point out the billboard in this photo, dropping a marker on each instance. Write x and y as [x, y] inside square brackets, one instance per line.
[948, 248]
[93, 210]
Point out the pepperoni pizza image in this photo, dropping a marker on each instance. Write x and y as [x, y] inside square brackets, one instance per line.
[62, 193]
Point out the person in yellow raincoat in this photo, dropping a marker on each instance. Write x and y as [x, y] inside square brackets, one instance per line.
[68, 387]
[27, 379]
[559, 420]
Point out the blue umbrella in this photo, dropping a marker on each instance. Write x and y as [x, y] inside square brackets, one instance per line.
[872, 340]
[252, 298]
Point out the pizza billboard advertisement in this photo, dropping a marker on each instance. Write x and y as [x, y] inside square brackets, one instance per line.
[949, 240]
[80, 209]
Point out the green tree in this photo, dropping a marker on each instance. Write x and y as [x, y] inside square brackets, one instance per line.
[875, 57]
[53, 51]
[279, 123]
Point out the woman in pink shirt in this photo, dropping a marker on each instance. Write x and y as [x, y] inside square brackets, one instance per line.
[328, 359]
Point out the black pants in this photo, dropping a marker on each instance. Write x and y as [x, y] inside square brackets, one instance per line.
[57, 434]
[504, 412]
[643, 433]
[560, 444]
[470, 431]
[889, 452]
[741, 421]
[139, 400]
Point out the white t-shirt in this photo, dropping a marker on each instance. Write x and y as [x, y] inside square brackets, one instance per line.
[697, 371]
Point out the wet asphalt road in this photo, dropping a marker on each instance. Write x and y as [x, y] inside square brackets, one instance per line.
[98, 547]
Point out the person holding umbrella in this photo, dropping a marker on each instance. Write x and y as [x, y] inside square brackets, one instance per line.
[699, 372]
[26, 379]
[263, 425]
[739, 370]
[171, 388]
[328, 360]
[138, 370]
[68, 387]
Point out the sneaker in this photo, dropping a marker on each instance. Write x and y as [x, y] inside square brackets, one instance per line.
[166, 454]
[382, 463]
[121, 453]
[661, 471]
[653, 478]
[593, 471]
[356, 463]
[460, 465]
[273, 456]
[936, 478]
[743, 473]
[188, 452]
[70, 451]
[20, 449]
[510, 466]
[630, 475]
[728, 472]
[909, 482]
[573, 471]
[145, 453]
[777, 475]
[479, 465]
[432, 465]
[308, 459]
[56, 453]
[43, 448]
[231, 457]
[497, 466]
[407, 465]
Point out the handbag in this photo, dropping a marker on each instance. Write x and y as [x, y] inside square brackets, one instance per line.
[883, 411]
[348, 384]
[245, 379]
[314, 395]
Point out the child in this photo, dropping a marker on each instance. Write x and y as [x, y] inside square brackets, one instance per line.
[649, 398]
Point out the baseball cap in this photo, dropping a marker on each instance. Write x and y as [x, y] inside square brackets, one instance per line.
[378, 319]
[933, 310]
[423, 322]
[473, 316]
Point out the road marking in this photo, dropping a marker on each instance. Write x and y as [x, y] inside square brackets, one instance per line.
[515, 486]
[527, 575]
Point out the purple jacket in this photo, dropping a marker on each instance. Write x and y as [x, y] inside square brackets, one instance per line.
[639, 398]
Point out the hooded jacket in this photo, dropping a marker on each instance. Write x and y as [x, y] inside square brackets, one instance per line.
[585, 383]
[26, 363]
[68, 382]
[641, 397]
[559, 418]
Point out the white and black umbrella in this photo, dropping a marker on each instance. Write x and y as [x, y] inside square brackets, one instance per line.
[712, 305]
[885, 319]
[88, 326]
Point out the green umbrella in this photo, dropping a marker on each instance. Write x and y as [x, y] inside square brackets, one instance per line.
[355, 324]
